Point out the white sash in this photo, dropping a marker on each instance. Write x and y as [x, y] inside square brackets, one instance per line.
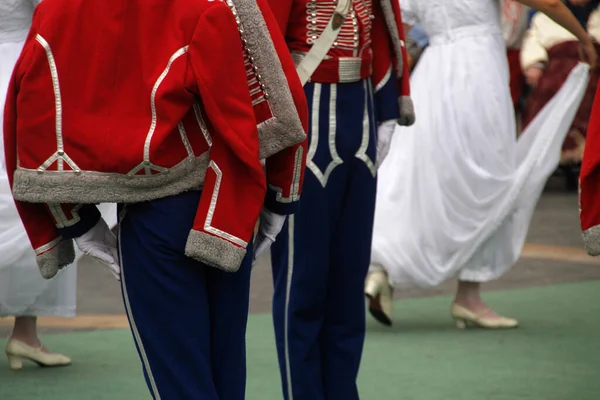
[319, 50]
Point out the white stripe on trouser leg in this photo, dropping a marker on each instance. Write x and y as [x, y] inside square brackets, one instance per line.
[136, 334]
[288, 289]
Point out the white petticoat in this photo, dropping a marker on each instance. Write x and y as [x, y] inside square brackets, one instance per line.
[457, 191]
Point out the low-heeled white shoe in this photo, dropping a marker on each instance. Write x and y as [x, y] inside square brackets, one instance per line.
[16, 351]
[379, 293]
[464, 317]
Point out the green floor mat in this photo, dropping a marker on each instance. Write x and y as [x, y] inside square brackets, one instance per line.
[555, 355]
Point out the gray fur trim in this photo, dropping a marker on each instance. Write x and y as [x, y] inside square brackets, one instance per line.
[285, 128]
[53, 260]
[591, 240]
[214, 251]
[390, 20]
[407, 111]
[95, 187]
[274, 137]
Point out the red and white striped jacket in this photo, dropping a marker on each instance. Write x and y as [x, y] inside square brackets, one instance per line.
[370, 43]
[125, 102]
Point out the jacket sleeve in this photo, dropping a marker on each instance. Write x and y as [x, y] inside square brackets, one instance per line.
[386, 94]
[589, 183]
[407, 112]
[532, 49]
[234, 187]
[52, 252]
[390, 61]
[285, 170]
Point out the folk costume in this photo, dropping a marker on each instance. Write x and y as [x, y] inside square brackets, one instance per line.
[23, 292]
[456, 195]
[351, 58]
[166, 107]
[589, 183]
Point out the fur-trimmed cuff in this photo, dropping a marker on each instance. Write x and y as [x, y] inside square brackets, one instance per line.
[51, 261]
[591, 240]
[277, 135]
[407, 111]
[394, 31]
[213, 251]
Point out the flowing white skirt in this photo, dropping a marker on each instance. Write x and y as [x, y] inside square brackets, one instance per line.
[457, 191]
[23, 291]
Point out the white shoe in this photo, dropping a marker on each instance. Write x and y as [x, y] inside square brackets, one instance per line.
[379, 293]
[16, 351]
[464, 317]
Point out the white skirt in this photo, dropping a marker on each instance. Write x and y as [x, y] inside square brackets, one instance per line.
[457, 191]
[23, 291]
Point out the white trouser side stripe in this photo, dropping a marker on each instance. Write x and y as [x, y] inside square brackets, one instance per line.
[288, 290]
[134, 329]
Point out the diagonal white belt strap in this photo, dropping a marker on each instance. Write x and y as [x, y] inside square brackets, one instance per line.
[322, 45]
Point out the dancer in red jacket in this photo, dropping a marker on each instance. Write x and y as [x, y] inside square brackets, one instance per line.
[589, 183]
[350, 54]
[166, 107]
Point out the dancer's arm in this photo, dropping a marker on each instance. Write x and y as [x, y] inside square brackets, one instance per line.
[558, 12]
[534, 56]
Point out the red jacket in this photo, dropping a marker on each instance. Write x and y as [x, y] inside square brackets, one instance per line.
[589, 183]
[116, 101]
[375, 44]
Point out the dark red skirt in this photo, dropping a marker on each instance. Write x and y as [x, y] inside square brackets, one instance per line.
[516, 75]
[563, 57]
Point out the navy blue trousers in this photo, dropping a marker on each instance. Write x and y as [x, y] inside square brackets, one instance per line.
[188, 319]
[321, 258]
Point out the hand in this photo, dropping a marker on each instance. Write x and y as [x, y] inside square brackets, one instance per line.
[101, 244]
[270, 224]
[411, 62]
[533, 75]
[587, 52]
[384, 139]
